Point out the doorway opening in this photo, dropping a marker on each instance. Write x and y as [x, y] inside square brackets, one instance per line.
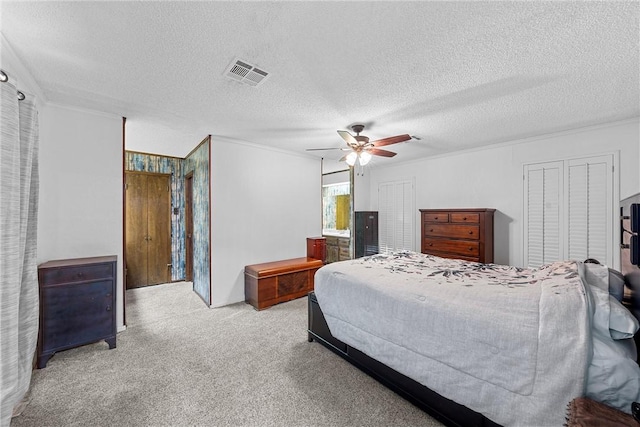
[337, 214]
[187, 258]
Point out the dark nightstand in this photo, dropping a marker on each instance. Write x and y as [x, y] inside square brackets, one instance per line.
[77, 304]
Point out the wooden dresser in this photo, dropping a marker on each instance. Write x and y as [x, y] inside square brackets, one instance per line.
[77, 304]
[337, 248]
[317, 248]
[279, 281]
[458, 233]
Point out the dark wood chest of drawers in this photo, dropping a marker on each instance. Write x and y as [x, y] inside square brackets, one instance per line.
[458, 233]
[77, 304]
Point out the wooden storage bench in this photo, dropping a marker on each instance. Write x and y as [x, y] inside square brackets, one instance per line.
[279, 281]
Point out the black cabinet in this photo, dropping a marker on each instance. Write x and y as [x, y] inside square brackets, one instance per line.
[77, 304]
[366, 233]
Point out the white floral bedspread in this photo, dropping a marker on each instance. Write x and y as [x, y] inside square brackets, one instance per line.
[510, 343]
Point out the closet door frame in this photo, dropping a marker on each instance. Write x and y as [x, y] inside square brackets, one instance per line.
[166, 269]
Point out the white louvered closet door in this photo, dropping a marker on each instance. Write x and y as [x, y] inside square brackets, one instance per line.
[569, 210]
[542, 218]
[589, 214]
[396, 216]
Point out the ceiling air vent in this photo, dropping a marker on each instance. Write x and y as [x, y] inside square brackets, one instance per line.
[246, 73]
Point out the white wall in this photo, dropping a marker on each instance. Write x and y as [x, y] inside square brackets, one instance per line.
[80, 211]
[492, 177]
[361, 192]
[265, 203]
[80, 165]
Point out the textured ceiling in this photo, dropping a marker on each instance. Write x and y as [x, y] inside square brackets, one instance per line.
[457, 74]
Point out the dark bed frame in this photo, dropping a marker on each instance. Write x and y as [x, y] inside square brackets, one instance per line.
[441, 408]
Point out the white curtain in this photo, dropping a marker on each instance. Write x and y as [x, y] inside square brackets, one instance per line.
[18, 234]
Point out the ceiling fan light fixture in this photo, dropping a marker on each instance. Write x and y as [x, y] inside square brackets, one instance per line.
[362, 148]
[364, 158]
[351, 158]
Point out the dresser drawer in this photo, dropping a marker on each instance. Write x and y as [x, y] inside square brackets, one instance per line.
[458, 247]
[435, 217]
[452, 256]
[453, 231]
[343, 243]
[80, 273]
[465, 217]
[344, 254]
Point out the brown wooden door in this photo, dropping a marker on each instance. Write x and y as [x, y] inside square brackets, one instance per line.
[136, 207]
[148, 229]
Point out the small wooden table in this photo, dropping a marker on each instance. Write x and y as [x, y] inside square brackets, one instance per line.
[271, 283]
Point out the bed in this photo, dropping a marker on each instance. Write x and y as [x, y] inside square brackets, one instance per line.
[480, 344]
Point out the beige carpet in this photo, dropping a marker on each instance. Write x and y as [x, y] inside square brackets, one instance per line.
[180, 363]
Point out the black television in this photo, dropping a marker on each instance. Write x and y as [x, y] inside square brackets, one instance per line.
[635, 218]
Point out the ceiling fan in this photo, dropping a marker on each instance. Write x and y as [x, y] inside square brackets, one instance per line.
[361, 149]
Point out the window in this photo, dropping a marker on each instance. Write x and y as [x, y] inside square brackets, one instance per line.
[569, 210]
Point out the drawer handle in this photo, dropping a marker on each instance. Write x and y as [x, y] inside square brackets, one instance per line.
[471, 232]
[470, 248]
[430, 244]
[79, 275]
[431, 230]
[464, 218]
[435, 217]
[108, 308]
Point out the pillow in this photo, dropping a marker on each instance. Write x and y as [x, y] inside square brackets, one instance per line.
[610, 316]
[622, 324]
[605, 278]
[616, 284]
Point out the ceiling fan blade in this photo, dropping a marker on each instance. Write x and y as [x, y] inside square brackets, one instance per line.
[319, 149]
[343, 158]
[348, 138]
[379, 152]
[391, 140]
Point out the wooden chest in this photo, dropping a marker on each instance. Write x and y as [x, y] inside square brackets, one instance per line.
[458, 233]
[275, 282]
[77, 304]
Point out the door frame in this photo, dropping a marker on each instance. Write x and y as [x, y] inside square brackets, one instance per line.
[188, 226]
